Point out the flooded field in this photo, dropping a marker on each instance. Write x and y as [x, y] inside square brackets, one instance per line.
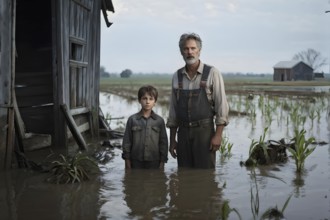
[200, 194]
[194, 194]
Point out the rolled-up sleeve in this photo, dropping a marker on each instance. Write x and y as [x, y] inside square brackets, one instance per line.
[221, 106]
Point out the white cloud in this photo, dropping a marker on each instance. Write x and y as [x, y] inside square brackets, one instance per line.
[235, 33]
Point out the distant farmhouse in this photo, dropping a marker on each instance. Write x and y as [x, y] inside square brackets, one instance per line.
[292, 70]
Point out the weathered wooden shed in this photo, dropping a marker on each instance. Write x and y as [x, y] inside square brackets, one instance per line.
[49, 73]
[292, 70]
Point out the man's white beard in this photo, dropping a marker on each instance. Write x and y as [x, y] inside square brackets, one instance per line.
[190, 61]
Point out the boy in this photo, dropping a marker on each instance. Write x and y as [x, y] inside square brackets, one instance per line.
[145, 143]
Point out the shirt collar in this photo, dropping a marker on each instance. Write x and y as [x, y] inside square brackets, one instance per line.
[152, 115]
[199, 69]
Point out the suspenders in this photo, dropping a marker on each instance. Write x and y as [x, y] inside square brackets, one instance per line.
[205, 75]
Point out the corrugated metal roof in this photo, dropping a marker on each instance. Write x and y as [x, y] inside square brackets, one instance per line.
[286, 64]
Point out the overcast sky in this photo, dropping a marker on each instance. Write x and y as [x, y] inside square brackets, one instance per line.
[238, 35]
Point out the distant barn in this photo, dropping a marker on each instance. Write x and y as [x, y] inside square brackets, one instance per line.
[49, 73]
[292, 70]
[319, 75]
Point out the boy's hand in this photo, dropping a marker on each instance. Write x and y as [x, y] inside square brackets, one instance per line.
[161, 165]
[128, 164]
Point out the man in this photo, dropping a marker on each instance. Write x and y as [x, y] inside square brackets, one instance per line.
[198, 101]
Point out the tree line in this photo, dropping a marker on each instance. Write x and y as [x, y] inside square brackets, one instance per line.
[310, 56]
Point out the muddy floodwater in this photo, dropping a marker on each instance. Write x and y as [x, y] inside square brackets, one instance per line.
[194, 194]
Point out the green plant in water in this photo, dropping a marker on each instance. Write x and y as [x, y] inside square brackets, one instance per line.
[225, 147]
[254, 198]
[261, 102]
[301, 150]
[71, 169]
[269, 111]
[318, 112]
[254, 146]
[297, 118]
[275, 213]
[312, 115]
[226, 210]
[271, 213]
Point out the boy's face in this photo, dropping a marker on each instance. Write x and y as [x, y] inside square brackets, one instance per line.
[147, 102]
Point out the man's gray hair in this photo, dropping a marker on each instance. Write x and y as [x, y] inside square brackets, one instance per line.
[188, 36]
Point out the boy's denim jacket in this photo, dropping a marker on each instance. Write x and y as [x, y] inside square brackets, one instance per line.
[145, 139]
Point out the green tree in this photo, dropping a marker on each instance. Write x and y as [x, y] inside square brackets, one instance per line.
[103, 73]
[126, 73]
[311, 57]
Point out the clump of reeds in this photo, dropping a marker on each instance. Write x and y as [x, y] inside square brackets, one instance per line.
[71, 169]
[225, 147]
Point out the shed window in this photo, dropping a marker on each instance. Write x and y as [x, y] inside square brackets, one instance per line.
[77, 49]
[76, 52]
[78, 73]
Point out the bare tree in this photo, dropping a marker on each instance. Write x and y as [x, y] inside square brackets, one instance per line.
[311, 57]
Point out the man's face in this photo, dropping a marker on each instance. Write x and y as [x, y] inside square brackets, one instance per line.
[190, 52]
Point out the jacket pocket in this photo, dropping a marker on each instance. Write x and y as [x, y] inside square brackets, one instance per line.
[156, 129]
[136, 128]
[154, 137]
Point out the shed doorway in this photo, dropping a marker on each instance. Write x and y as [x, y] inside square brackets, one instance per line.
[33, 66]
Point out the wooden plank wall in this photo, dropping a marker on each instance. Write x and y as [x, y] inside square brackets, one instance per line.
[7, 22]
[95, 42]
[78, 60]
[61, 67]
[84, 58]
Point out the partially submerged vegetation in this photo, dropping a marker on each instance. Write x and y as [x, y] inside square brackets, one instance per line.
[270, 213]
[301, 149]
[72, 169]
[225, 147]
[268, 152]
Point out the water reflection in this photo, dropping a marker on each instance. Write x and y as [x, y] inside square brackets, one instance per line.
[145, 193]
[155, 194]
[194, 194]
[25, 195]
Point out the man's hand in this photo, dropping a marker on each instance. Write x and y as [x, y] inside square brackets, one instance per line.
[216, 139]
[173, 142]
[215, 143]
[172, 149]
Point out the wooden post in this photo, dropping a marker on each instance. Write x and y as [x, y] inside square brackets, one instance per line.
[7, 82]
[73, 128]
[11, 112]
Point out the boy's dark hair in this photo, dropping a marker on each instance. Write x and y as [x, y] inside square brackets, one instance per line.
[152, 91]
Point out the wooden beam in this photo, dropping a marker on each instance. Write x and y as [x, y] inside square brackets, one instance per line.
[79, 111]
[11, 113]
[73, 128]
